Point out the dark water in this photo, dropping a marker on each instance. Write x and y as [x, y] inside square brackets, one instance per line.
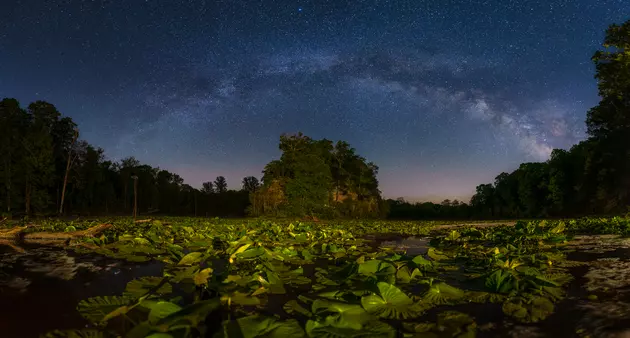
[40, 288]
[411, 245]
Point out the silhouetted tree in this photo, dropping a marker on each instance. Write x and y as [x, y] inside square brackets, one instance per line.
[220, 185]
[250, 184]
[207, 188]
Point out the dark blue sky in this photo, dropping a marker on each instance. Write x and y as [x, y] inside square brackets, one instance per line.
[442, 95]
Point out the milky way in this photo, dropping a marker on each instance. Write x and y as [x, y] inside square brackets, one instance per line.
[442, 95]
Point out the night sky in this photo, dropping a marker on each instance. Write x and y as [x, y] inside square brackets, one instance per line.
[441, 95]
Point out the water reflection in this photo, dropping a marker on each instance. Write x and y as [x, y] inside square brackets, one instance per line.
[43, 285]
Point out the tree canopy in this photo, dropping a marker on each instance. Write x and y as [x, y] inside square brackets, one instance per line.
[318, 177]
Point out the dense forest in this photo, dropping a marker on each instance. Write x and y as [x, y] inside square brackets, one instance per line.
[593, 177]
[46, 169]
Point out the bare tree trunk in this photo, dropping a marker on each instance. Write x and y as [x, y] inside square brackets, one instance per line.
[65, 177]
[195, 194]
[27, 197]
[125, 191]
[68, 165]
[7, 173]
[135, 198]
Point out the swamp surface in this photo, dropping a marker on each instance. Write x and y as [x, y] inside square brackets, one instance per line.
[40, 287]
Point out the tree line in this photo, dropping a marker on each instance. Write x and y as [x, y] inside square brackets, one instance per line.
[593, 177]
[46, 169]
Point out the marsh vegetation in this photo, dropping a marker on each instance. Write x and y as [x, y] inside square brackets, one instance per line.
[191, 277]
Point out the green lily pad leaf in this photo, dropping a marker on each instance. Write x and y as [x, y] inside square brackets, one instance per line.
[347, 271]
[553, 293]
[501, 281]
[293, 306]
[369, 267]
[118, 312]
[305, 299]
[378, 270]
[332, 295]
[141, 330]
[372, 329]
[95, 309]
[295, 277]
[240, 298]
[420, 327]
[422, 262]
[181, 273]
[85, 333]
[322, 279]
[275, 283]
[484, 297]
[159, 335]
[261, 326]
[557, 279]
[251, 253]
[375, 266]
[160, 310]
[392, 303]
[528, 311]
[191, 315]
[307, 255]
[301, 238]
[139, 287]
[436, 255]
[201, 277]
[404, 275]
[441, 293]
[191, 258]
[341, 315]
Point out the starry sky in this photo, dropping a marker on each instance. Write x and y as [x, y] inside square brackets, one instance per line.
[441, 95]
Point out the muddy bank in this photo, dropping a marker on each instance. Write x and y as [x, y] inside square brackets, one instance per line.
[43, 286]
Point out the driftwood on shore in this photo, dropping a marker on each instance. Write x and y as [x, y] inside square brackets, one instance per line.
[17, 234]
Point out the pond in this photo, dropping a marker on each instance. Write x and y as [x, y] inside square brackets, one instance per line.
[43, 286]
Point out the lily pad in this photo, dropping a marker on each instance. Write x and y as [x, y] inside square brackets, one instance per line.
[392, 303]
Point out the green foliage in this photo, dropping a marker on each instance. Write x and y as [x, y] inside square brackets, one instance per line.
[97, 309]
[391, 302]
[324, 281]
[258, 326]
[317, 178]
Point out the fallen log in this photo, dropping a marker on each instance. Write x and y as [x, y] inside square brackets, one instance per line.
[62, 236]
[17, 234]
[143, 221]
[12, 245]
[12, 232]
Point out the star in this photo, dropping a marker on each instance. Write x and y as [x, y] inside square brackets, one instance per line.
[423, 89]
